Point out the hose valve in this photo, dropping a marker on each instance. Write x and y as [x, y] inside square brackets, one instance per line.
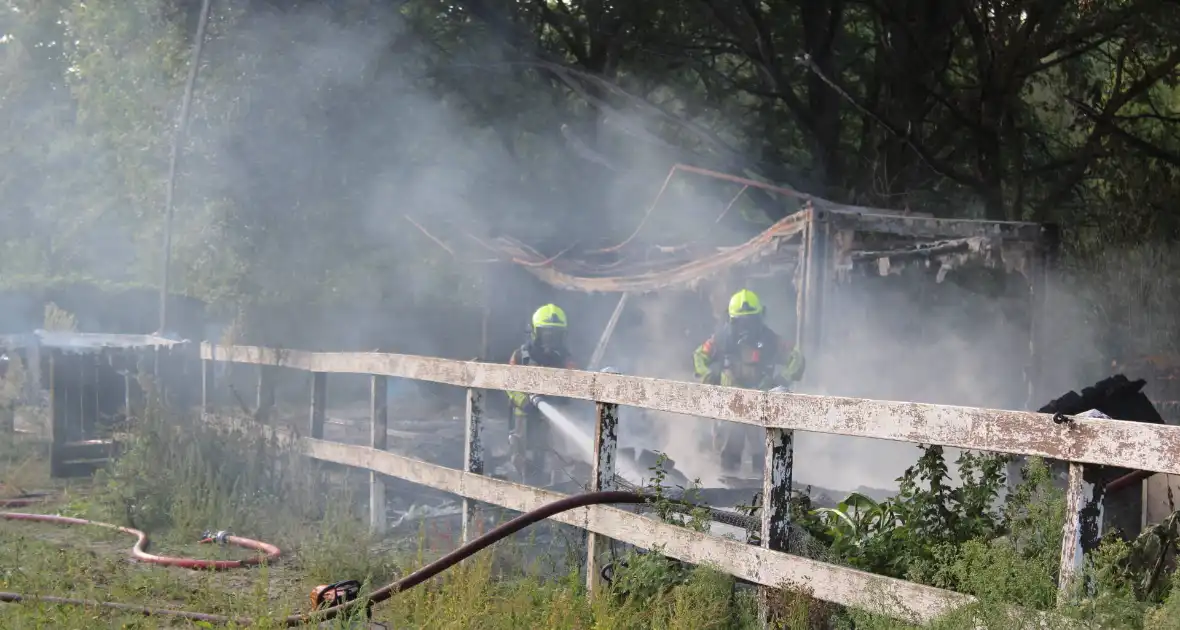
[220, 537]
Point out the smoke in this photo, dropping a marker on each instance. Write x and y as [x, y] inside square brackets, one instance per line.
[960, 341]
[318, 134]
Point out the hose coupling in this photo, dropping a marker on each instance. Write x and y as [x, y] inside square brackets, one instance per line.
[219, 537]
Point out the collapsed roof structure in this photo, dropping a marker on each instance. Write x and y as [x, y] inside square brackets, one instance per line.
[781, 246]
[817, 245]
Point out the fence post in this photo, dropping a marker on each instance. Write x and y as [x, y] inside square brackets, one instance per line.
[472, 457]
[601, 478]
[378, 439]
[1083, 522]
[319, 395]
[777, 479]
[207, 381]
[1077, 494]
[266, 392]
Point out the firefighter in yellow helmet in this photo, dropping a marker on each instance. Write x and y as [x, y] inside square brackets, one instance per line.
[745, 352]
[529, 432]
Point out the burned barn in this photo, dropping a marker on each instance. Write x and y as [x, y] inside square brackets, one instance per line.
[884, 304]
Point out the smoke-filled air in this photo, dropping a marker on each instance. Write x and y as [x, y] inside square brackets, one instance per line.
[946, 203]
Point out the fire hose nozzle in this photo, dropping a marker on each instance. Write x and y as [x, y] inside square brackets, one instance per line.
[536, 400]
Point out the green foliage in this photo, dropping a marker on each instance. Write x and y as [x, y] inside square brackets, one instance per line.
[180, 473]
[907, 536]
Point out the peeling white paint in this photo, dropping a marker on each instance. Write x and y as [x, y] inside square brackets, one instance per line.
[1135, 445]
[840, 585]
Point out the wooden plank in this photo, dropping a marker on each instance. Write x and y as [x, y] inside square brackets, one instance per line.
[840, 585]
[602, 476]
[1136, 445]
[378, 440]
[472, 457]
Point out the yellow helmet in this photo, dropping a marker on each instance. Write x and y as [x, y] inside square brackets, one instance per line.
[743, 303]
[549, 316]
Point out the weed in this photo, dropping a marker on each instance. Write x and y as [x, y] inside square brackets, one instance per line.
[179, 477]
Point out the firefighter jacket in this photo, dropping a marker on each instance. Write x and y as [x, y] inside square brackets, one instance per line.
[756, 359]
[530, 354]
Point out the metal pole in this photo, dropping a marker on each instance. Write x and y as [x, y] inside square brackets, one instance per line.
[177, 139]
[600, 349]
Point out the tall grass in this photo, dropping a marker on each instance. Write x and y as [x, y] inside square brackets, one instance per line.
[180, 477]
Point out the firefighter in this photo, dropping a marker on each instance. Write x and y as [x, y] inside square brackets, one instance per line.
[745, 352]
[529, 432]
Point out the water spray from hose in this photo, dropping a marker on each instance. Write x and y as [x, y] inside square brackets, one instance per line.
[583, 440]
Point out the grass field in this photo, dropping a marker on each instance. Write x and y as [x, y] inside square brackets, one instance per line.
[179, 479]
[177, 488]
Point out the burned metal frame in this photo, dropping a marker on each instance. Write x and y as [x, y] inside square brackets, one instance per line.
[928, 237]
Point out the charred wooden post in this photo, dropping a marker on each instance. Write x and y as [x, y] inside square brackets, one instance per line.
[1084, 523]
[602, 477]
[473, 458]
[319, 399]
[378, 440]
[778, 473]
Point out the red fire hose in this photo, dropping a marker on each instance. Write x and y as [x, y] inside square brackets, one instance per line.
[139, 550]
[377, 596]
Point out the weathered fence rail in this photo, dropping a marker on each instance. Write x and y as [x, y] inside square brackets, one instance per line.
[1078, 440]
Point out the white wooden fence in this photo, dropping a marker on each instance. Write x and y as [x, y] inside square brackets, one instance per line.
[1079, 441]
